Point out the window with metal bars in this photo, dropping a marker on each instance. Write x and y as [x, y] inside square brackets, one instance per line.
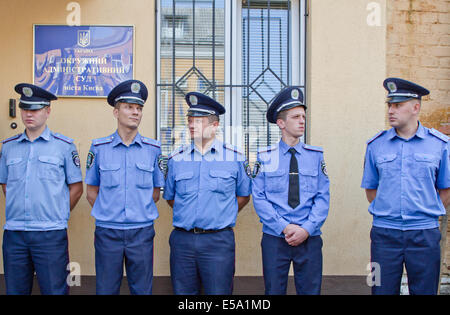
[239, 52]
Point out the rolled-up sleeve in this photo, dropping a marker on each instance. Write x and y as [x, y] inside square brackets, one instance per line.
[72, 165]
[443, 178]
[321, 204]
[3, 168]
[158, 175]
[244, 183]
[370, 174]
[169, 187]
[92, 170]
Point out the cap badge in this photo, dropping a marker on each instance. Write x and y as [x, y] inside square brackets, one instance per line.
[193, 99]
[392, 87]
[28, 92]
[135, 87]
[295, 94]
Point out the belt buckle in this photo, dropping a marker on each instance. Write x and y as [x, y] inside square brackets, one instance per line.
[198, 230]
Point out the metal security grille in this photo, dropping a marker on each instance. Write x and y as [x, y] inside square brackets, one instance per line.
[238, 52]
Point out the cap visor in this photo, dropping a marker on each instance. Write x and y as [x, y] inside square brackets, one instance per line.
[31, 106]
[131, 101]
[398, 99]
[197, 114]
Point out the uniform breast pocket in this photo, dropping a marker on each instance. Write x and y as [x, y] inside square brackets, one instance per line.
[110, 175]
[222, 181]
[144, 178]
[50, 168]
[184, 183]
[309, 179]
[276, 181]
[425, 165]
[386, 165]
[15, 169]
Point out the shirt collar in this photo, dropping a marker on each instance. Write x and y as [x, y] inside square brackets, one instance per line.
[44, 135]
[284, 148]
[391, 133]
[216, 147]
[420, 131]
[116, 139]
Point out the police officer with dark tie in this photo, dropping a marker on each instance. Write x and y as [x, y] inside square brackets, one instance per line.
[291, 196]
[407, 181]
[123, 180]
[41, 178]
[207, 184]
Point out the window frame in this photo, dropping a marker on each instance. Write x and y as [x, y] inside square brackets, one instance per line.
[233, 98]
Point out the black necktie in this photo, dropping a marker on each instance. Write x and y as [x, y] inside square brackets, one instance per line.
[294, 191]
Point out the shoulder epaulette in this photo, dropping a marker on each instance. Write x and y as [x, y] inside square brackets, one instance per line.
[177, 151]
[439, 135]
[376, 136]
[11, 138]
[232, 148]
[62, 138]
[104, 140]
[152, 142]
[268, 149]
[313, 148]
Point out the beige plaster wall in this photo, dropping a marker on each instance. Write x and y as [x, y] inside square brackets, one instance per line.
[346, 71]
[346, 65]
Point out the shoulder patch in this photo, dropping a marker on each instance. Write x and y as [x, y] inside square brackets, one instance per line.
[76, 158]
[313, 148]
[247, 168]
[152, 142]
[162, 164]
[62, 138]
[104, 140]
[11, 138]
[439, 135]
[268, 149]
[90, 159]
[256, 169]
[376, 136]
[232, 148]
[323, 167]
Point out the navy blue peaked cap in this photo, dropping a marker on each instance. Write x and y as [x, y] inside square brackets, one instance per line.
[130, 91]
[288, 98]
[33, 97]
[202, 105]
[400, 90]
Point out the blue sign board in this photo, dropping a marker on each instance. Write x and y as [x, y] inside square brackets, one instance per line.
[82, 60]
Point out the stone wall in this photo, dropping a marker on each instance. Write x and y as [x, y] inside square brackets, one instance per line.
[418, 49]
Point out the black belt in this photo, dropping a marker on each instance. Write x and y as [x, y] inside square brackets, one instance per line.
[201, 231]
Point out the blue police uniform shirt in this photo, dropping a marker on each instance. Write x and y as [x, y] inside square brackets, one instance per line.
[37, 175]
[270, 189]
[126, 176]
[407, 174]
[204, 187]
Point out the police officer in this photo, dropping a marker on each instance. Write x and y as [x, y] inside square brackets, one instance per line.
[291, 197]
[407, 180]
[206, 185]
[41, 178]
[123, 183]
